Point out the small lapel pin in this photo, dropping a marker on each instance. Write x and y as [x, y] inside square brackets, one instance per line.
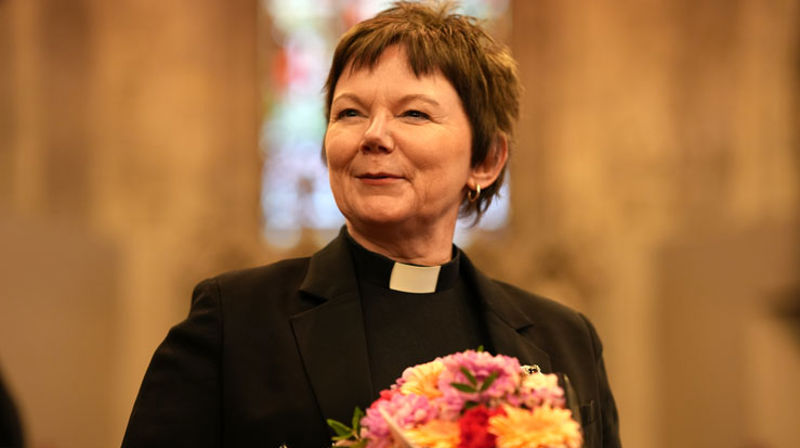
[530, 370]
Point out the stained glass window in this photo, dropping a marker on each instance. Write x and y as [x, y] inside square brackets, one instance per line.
[303, 33]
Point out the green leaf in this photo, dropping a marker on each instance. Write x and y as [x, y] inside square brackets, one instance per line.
[488, 382]
[470, 404]
[480, 348]
[358, 414]
[340, 428]
[464, 388]
[469, 376]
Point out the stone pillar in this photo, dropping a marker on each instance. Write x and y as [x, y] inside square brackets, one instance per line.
[133, 128]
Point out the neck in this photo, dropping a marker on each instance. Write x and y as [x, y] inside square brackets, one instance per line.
[430, 248]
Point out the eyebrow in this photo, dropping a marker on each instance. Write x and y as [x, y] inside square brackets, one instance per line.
[348, 96]
[418, 96]
[404, 99]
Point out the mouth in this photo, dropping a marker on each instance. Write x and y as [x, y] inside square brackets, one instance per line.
[379, 178]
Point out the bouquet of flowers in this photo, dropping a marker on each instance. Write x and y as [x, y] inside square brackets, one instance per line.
[470, 399]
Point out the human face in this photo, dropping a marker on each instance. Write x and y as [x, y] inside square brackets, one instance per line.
[398, 148]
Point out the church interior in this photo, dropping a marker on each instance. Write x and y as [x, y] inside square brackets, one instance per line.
[654, 186]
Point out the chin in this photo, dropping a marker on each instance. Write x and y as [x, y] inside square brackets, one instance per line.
[377, 218]
[384, 212]
[380, 219]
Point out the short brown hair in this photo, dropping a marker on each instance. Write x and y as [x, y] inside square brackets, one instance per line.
[480, 69]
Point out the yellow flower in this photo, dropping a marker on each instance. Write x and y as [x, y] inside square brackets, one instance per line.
[544, 426]
[434, 434]
[423, 379]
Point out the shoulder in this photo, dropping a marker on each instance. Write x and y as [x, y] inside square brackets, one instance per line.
[520, 308]
[533, 303]
[268, 285]
[284, 273]
[550, 317]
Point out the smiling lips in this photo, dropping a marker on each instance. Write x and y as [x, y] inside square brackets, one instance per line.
[378, 178]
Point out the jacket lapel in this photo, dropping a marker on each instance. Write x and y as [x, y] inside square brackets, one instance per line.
[331, 337]
[505, 321]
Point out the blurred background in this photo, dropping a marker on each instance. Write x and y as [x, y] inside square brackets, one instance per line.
[655, 186]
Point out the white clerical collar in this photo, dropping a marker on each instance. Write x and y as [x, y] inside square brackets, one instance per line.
[414, 279]
[384, 272]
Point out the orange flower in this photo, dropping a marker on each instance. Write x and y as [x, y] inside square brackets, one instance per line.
[434, 434]
[423, 379]
[544, 426]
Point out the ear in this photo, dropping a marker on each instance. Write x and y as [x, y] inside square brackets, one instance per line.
[487, 171]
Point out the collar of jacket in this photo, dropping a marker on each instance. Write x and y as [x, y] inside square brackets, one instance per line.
[331, 337]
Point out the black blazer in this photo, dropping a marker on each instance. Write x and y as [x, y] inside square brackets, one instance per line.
[267, 354]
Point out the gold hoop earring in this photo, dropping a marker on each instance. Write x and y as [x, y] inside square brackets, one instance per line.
[473, 195]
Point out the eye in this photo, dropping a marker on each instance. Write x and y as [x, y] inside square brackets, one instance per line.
[346, 113]
[413, 113]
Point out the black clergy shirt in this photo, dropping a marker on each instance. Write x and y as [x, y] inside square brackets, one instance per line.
[404, 329]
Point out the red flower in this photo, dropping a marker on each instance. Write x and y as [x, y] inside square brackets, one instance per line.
[474, 428]
[385, 395]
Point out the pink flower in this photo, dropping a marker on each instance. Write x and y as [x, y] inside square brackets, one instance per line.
[482, 366]
[539, 389]
[407, 411]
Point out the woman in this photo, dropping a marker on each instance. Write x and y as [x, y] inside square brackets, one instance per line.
[420, 107]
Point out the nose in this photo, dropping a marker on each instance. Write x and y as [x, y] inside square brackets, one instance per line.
[377, 136]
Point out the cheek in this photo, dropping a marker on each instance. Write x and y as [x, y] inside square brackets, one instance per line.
[335, 150]
[445, 164]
